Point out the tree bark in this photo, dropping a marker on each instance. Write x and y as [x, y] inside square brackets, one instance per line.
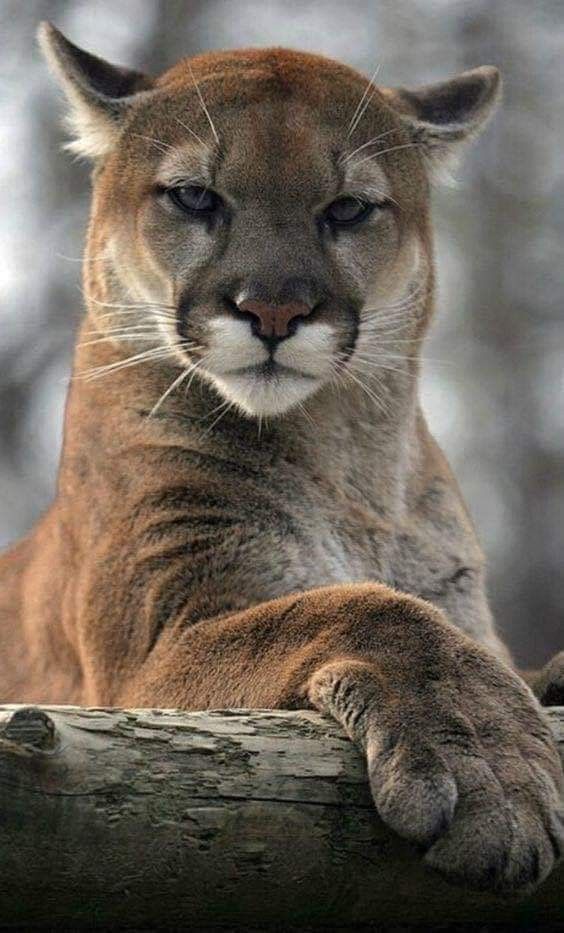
[239, 820]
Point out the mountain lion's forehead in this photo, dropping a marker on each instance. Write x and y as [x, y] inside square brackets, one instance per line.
[271, 144]
[244, 75]
[275, 146]
[264, 114]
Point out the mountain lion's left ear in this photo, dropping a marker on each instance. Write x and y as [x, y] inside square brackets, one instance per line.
[442, 116]
[99, 93]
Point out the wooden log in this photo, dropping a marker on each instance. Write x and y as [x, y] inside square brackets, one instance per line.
[157, 819]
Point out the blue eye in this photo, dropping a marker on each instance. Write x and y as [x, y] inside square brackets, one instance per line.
[194, 200]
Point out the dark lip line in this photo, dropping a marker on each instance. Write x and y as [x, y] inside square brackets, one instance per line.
[269, 368]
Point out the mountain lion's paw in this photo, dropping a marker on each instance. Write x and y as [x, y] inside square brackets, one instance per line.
[472, 776]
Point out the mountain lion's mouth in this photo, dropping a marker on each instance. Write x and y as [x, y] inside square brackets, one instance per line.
[261, 379]
[267, 388]
[270, 370]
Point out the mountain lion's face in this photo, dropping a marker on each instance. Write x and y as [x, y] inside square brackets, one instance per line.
[281, 249]
[265, 213]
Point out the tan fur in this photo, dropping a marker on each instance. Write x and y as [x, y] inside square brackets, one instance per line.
[318, 557]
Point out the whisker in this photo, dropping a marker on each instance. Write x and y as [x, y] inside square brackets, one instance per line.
[209, 414]
[372, 368]
[386, 340]
[192, 132]
[230, 405]
[402, 301]
[136, 315]
[379, 319]
[410, 359]
[151, 354]
[194, 371]
[158, 143]
[386, 328]
[124, 327]
[389, 334]
[176, 382]
[383, 340]
[143, 304]
[142, 336]
[349, 365]
[83, 258]
[363, 103]
[384, 314]
[377, 401]
[203, 103]
[185, 345]
[400, 304]
[306, 414]
[370, 142]
[376, 155]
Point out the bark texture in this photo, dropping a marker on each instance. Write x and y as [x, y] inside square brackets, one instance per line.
[239, 820]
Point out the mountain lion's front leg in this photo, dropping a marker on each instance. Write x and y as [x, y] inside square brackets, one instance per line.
[460, 759]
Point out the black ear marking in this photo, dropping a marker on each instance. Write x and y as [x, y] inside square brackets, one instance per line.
[463, 100]
[99, 93]
[91, 74]
[440, 116]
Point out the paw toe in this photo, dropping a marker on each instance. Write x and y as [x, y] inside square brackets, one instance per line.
[416, 800]
[498, 850]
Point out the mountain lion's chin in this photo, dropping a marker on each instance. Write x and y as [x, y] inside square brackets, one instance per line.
[261, 394]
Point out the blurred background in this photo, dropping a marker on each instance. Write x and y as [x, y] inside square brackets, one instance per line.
[494, 375]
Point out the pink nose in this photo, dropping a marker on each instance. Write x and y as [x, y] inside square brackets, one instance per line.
[274, 320]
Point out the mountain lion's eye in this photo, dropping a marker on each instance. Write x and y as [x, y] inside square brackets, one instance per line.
[194, 200]
[347, 211]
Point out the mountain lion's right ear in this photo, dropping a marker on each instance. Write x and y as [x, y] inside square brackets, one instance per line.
[99, 93]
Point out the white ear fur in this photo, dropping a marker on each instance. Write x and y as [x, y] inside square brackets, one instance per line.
[92, 135]
[441, 117]
[99, 93]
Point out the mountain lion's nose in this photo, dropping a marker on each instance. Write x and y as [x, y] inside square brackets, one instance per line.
[273, 321]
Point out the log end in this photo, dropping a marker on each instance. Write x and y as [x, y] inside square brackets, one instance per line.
[31, 728]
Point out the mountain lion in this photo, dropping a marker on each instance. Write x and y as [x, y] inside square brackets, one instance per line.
[251, 510]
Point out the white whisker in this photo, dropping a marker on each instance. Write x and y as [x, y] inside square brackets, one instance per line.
[209, 414]
[151, 335]
[134, 309]
[306, 414]
[83, 258]
[347, 372]
[203, 103]
[370, 142]
[194, 370]
[110, 322]
[376, 155]
[174, 384]
[363, 103]
[157, 143]
[138, 305]
[126, 328]
[228, 405]
[192, 132]
[151, 354]
[373, 368]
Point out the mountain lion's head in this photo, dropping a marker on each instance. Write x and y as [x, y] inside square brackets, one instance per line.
[263, 214]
